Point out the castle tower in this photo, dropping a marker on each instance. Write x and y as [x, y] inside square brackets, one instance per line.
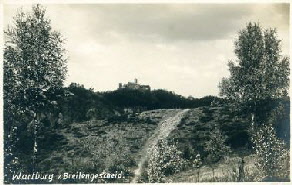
[136, 81]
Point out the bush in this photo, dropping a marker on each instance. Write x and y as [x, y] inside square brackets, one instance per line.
[216, 147]
[273, 158]
[165, 160]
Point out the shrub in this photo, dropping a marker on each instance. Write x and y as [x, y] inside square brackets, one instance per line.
[216, 147]
[272, 157]
[165, 160]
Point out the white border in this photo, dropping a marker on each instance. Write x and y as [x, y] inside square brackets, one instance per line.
[1, 95]
[3, 2]
[142, 1]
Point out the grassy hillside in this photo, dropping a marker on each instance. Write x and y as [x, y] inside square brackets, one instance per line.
[94, 146]
[115, 145]
[109, 145]
[226, 170]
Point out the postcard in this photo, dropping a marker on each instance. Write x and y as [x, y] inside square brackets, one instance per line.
[145, 92]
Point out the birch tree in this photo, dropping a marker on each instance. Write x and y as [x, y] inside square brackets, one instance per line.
[34, 70]
[259, 74]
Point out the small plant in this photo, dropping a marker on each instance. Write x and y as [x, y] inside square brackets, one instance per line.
[196, 164]
[92, 114]
[165, 160]
[216, 147]
[272, 157]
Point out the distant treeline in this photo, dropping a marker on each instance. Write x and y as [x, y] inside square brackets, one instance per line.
[156, 99]
[83, 104]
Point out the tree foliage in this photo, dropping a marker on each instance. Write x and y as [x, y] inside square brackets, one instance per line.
[34, 70]
[272, 157]
[156, 99]
[216, 146]
[84, 104]
[165, 160]
[258, 86]
[34, 61]
[260, 72]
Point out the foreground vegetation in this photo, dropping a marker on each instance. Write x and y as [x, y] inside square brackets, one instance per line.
[113, 145]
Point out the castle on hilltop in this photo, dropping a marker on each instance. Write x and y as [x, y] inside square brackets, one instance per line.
[134, 85]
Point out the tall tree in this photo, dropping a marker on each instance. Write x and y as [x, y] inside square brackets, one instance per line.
[34, 70]
[260, 73]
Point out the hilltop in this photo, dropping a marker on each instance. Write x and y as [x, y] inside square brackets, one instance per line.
[83, 104]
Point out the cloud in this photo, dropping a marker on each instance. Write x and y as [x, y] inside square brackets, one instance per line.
[179, 47]
[162, 22]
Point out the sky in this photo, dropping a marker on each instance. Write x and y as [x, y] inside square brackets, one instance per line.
[183, 48]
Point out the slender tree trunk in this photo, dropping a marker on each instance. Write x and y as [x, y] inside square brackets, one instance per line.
[198, 175]
[252, 121]
[241, 174]
[253, 117]
[213, 172]
[35, 143]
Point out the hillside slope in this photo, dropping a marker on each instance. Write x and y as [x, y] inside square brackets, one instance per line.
[102, 145]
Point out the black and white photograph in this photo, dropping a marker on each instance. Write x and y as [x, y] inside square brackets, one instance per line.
[145, 92]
